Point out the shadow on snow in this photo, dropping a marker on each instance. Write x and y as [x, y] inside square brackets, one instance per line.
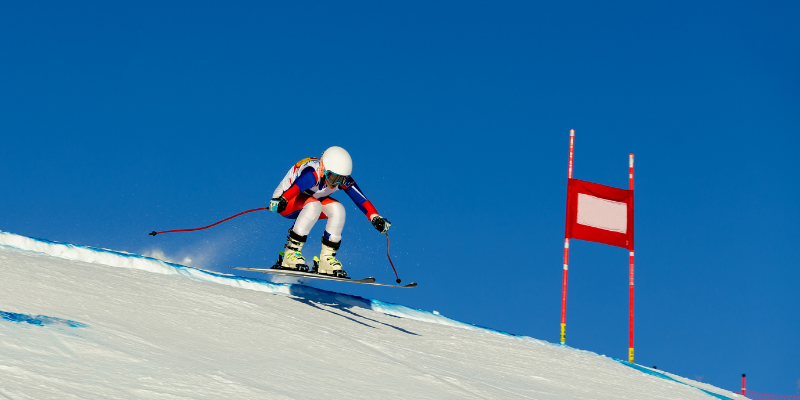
[324, 300]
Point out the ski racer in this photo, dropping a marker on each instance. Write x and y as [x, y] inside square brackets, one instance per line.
[304, 195]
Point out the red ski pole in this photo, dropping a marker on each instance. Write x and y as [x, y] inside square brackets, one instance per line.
[390, 257]
[153, 233]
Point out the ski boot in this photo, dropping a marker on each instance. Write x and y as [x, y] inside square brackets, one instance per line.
[327, 264]
[291, 258]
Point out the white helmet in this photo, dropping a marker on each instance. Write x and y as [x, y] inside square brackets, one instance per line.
[338, 164]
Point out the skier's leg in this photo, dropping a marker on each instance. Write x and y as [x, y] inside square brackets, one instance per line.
[332, 238]
[335, 213]
[306, 211]
[307, 217]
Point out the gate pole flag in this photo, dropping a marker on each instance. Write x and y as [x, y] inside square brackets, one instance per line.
[600, 214]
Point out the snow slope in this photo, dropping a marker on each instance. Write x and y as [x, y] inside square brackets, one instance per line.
[78, 322]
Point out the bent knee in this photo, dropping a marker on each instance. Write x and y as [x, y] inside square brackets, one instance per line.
[334, 210]
[313, 206]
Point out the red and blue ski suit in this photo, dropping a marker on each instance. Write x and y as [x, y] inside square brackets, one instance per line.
[309, 199]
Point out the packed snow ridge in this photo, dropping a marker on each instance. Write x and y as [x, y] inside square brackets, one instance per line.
[81, 322]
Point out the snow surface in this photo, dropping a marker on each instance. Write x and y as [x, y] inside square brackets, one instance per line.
[80, 322]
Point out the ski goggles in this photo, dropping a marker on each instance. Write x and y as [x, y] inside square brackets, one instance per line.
[334, 178]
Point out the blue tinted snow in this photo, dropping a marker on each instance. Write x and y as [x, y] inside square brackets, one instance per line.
[664, 376]
[40, 320]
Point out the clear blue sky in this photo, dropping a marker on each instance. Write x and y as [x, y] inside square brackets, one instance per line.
[121, 118]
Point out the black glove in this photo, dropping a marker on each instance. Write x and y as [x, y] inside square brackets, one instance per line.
[381, 224]
[278, 204]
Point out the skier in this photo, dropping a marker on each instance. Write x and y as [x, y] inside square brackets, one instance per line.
[304, 195]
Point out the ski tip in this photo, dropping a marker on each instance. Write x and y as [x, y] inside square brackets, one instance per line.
[412, 284]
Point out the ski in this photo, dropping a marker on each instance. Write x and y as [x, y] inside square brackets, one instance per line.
[299, 274]
[311, 275]
[408, 285]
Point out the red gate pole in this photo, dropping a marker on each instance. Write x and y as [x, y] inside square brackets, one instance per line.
[566, 247]
[630, 339]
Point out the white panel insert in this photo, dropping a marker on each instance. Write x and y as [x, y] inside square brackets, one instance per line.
[603, 214]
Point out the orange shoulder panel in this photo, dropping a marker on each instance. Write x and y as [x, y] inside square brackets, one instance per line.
[305, 160]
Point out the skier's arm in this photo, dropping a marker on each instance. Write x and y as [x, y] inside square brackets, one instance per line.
[306, 180]
[355, 193]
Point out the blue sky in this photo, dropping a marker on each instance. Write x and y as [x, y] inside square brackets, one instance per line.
[122, 118]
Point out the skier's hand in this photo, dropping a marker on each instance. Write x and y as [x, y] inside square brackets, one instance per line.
[381, 224]
[278, 204]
